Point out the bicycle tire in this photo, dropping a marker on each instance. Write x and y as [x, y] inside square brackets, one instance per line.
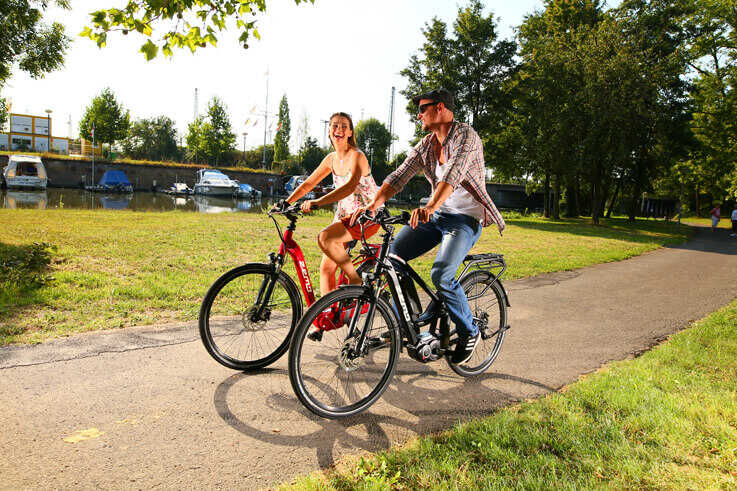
[223, 321]
[309, 359]
[493, 331]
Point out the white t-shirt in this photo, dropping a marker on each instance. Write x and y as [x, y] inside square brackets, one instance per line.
[734, 215]
[460, 200]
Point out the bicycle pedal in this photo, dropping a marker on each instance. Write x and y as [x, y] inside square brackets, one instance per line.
[315, 335]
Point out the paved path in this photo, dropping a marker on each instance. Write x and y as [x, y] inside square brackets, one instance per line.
[148, 407]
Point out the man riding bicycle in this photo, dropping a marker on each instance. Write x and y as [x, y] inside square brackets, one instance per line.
[452, 159]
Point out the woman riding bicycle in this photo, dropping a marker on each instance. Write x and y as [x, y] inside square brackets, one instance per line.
[355, 188]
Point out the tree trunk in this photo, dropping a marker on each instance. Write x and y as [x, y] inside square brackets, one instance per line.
[614, 197]
[596, 196]
[698, 203]
[556, 199]
[547, 195]
[633, 206]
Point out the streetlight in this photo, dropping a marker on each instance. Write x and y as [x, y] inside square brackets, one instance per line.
[48, 135]
[370, 148]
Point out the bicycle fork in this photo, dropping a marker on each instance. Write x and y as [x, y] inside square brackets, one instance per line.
[267, 287]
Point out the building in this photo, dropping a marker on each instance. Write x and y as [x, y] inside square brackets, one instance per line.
[32, 133]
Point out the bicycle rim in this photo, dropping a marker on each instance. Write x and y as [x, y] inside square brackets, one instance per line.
[326, 376]
[230, 329]
[490, 313]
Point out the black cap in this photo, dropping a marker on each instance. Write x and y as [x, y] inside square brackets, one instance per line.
[437, 95]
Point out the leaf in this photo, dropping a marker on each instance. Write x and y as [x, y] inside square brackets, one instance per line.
[149, 49]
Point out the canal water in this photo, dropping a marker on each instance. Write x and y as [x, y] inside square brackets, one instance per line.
[138, 201]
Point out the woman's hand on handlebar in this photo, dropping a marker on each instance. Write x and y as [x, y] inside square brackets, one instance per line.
[309, 205]
[279, 206]
[357, 215]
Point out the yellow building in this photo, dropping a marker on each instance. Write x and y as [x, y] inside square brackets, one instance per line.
[33, 133]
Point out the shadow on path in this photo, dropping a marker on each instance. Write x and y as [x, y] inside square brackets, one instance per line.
[429, 408]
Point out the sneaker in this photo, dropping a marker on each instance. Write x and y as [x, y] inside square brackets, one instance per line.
[464, 348]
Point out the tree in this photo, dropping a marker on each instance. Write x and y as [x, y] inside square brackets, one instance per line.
[281, 139]
[374, 139]
[712, 50]
[253, 158]
[152, 139]
[28, 43]
[600, 100]
[3, 113]
[311, 154]
[210, 138]
[110, 120]
[471, 63]
[189, 24]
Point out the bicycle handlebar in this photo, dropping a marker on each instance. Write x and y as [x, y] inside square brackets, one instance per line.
[383, 217]
[294, 209]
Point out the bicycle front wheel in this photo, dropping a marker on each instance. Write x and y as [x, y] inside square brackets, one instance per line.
[332, 377]
[490, 314]
[241, 325]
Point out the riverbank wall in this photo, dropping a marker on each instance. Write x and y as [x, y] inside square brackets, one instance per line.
[67, 173]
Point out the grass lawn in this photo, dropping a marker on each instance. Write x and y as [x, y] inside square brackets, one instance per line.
[122, 268]
[666, 420]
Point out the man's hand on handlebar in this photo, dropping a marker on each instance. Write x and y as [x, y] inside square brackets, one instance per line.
[420, 215]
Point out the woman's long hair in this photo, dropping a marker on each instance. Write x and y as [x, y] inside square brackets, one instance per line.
[352, 138]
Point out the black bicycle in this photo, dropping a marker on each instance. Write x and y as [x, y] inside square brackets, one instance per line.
[351, 366]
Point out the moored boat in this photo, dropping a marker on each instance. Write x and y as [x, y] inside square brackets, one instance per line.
[248, 191]
[25, 172]
[112, 181]
[211, 182]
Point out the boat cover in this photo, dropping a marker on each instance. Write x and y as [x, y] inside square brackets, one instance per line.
[114, 178]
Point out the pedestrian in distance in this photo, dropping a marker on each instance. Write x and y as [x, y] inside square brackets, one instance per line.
[734, 222]
[715, 216]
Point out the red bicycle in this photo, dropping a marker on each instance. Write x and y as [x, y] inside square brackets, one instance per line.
[249, 314]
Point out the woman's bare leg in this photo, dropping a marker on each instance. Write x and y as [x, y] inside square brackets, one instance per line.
[332, 241]
[327, 275]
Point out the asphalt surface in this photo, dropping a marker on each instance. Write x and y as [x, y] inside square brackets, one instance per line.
[147, 407]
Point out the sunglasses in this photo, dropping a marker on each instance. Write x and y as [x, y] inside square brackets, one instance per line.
[423, 107]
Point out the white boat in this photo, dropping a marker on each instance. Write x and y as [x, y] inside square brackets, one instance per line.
[211, 182]
[179, 188]
[25, 172]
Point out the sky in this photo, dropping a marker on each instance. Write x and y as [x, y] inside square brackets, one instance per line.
[333, 55]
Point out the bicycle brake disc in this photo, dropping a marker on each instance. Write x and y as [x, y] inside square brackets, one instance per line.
[347, 360]
[251, 324]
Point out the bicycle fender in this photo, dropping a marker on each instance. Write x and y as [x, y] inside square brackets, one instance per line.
[501, 285]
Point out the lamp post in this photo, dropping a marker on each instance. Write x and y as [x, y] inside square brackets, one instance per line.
[48, 135]
[245, 133]
[370, 148]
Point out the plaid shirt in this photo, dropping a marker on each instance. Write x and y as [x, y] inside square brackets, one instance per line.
[464, 166]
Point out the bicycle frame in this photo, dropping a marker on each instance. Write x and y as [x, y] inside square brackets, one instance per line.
[403, 310]
[289, 246]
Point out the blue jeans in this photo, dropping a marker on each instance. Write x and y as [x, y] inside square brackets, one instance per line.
[456, 235]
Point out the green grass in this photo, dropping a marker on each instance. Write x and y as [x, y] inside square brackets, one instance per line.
[666, 420]
[122, 268]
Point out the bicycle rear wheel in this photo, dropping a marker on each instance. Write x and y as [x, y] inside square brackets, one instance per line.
[231, 328]
[490, 314]
[328, 376]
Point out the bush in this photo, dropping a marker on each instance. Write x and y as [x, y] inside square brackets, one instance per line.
[24, 267]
